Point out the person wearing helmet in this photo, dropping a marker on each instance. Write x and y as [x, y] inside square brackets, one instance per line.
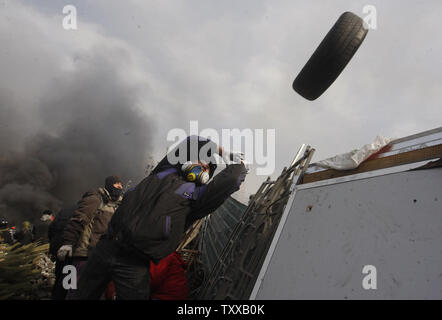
[27, 233]
[6, 235]
[152, 218]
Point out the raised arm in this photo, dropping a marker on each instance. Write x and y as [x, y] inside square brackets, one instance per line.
[208, 198]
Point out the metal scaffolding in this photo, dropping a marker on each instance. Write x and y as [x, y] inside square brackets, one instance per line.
[238, 265]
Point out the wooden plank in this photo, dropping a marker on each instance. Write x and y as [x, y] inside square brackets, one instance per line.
[379, 163]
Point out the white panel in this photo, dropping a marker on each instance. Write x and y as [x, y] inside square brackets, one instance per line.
[393, 222]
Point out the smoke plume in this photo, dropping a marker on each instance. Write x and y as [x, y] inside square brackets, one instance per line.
[84, 126]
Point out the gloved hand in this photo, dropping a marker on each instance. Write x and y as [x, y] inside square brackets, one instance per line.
[65, 250]
[232, 157]
[247, 166]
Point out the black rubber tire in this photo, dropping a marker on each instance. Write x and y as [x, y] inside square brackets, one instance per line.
[331, 56]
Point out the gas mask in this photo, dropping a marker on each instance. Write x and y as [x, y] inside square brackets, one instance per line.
[194, 173]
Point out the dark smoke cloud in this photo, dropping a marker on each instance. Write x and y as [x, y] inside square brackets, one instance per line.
[89, 127]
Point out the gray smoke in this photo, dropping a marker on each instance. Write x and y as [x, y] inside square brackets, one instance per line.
[85, 128]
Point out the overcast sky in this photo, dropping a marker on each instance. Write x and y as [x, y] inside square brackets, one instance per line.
[231, 64]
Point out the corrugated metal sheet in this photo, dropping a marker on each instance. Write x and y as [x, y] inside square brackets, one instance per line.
[216, 231]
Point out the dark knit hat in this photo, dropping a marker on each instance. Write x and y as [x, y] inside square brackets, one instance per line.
[111, 180]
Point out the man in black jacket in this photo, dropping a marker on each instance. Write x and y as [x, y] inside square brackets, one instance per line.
[152, 218]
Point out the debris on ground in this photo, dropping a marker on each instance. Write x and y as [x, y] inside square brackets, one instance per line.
[26, 272]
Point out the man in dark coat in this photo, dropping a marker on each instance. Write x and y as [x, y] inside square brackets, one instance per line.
[152, 218]
[88, 223]
[55, 236]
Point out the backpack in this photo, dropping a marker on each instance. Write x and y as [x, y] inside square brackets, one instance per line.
[141, 226]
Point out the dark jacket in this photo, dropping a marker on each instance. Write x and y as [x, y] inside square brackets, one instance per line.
[89, 221]
[56, 228]
[25, 236]
[153, 217]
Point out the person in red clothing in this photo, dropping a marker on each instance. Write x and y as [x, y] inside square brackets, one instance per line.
[168, 280]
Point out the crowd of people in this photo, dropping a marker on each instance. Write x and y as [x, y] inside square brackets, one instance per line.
[122, 245]
[27, 232]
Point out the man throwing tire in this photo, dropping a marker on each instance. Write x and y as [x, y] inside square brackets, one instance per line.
[152, 218]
